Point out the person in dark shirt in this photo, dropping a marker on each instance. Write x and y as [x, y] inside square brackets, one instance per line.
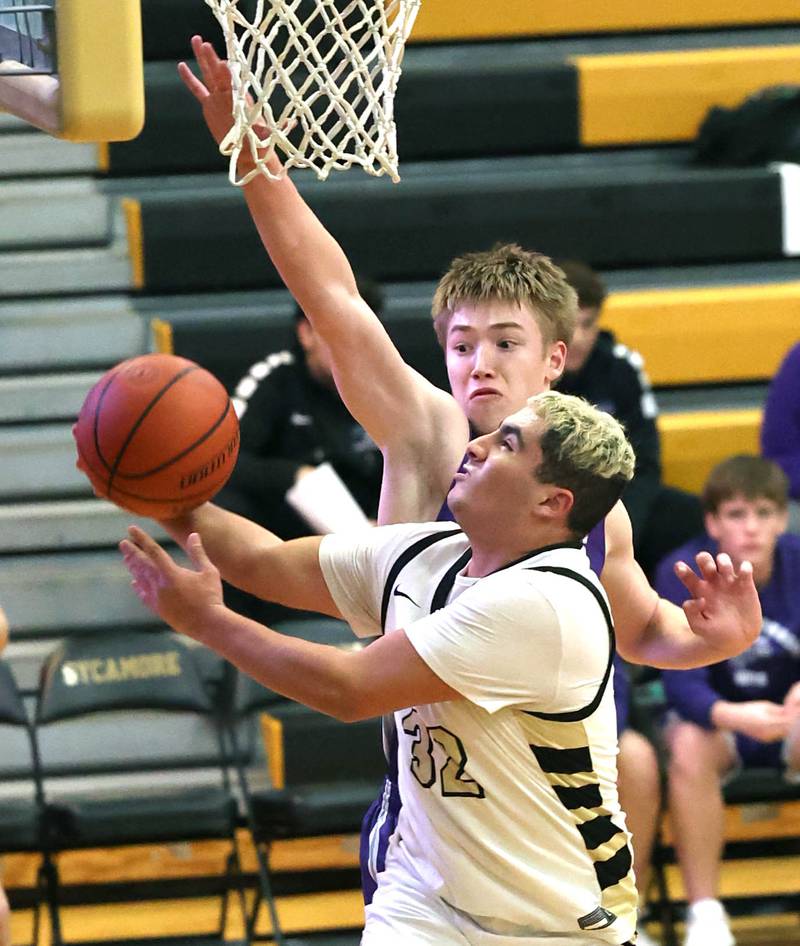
[305, 466]
[610, 375]
[743, 712]
[292, 421]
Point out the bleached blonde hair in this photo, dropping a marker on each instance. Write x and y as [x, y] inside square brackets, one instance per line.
[584, 450]
[509, 273]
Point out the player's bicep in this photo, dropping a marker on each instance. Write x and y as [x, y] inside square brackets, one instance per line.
[392, 401]
[633, 601]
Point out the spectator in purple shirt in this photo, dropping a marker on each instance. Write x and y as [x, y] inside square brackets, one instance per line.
[780, 430]
[743, 712]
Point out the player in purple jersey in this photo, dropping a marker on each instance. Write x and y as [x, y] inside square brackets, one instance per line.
[504, 318]
[742, 712]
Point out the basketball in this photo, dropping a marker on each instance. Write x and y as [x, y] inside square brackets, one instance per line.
[157, 435]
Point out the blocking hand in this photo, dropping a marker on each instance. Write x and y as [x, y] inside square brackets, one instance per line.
[186, 598]
[724, 608]
[214, 92]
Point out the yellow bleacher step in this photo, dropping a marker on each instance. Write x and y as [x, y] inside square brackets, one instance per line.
[634, 98]
[451, 20]
[694, 442]
[716, 334]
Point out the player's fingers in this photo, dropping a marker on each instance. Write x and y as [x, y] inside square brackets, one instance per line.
[688, 577]
[694, 608]
[197, 554]
[725, 566]
[707, 565]
[192, 83]
[149, 547]
[745, 574]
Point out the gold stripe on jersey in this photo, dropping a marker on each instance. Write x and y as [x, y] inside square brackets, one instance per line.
[564, 756]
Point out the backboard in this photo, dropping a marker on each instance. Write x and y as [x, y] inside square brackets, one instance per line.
[73, 67]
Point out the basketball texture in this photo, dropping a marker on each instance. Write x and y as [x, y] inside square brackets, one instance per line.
[157, 435]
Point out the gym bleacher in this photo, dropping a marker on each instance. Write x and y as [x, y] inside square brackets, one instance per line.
[567, 128]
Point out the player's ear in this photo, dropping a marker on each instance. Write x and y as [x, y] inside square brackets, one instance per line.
[305, 333]
[556, 360]
[557, 503]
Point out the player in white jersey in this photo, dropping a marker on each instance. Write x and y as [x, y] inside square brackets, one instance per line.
[495, 658]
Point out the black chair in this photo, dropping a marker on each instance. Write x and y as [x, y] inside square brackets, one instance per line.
[21, 820]
[115, 709]
[323, 773]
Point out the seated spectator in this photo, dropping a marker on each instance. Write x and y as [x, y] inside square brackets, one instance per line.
[305, 466]
[780, 429]
[608, 374]
[639, 785]
[738, 713]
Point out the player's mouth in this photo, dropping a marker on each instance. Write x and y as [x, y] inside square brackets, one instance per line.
[484, 392]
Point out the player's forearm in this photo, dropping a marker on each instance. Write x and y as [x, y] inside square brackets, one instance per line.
[232, 542]
[310, 262]
[316, 675]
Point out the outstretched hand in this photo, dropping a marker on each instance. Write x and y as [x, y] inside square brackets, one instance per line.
[724, 608]
[214, 91]
[186, 598]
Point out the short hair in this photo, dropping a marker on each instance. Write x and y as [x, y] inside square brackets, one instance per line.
[588, 284]
[745, 475]
[584, 450]
[511, 274]
[370, 291]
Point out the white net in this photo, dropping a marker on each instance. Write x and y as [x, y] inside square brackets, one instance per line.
[314, 80]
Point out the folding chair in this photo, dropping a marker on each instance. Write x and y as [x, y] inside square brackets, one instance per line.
[114, 710]
[21, 819]
[324, 774]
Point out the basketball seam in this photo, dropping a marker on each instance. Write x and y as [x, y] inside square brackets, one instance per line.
[182, 454]
[144, 499]
[115, 466]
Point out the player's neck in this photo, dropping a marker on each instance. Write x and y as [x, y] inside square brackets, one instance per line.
[491, 551]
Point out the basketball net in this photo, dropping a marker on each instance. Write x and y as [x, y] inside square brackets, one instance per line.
[316, 82]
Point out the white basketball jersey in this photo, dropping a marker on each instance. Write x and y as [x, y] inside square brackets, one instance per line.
[510, 809]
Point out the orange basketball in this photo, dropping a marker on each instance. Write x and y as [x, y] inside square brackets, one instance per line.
[157, 435]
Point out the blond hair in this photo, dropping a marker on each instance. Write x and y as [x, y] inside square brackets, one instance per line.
[509, 274]
[584, 450]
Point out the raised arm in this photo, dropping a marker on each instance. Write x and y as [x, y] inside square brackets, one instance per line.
[720, 618]
[405, 414]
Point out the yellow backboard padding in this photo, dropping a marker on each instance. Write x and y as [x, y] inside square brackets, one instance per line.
[696, 336]
[448, 19]
[100, 68]
[692, 444]
[664, 96]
